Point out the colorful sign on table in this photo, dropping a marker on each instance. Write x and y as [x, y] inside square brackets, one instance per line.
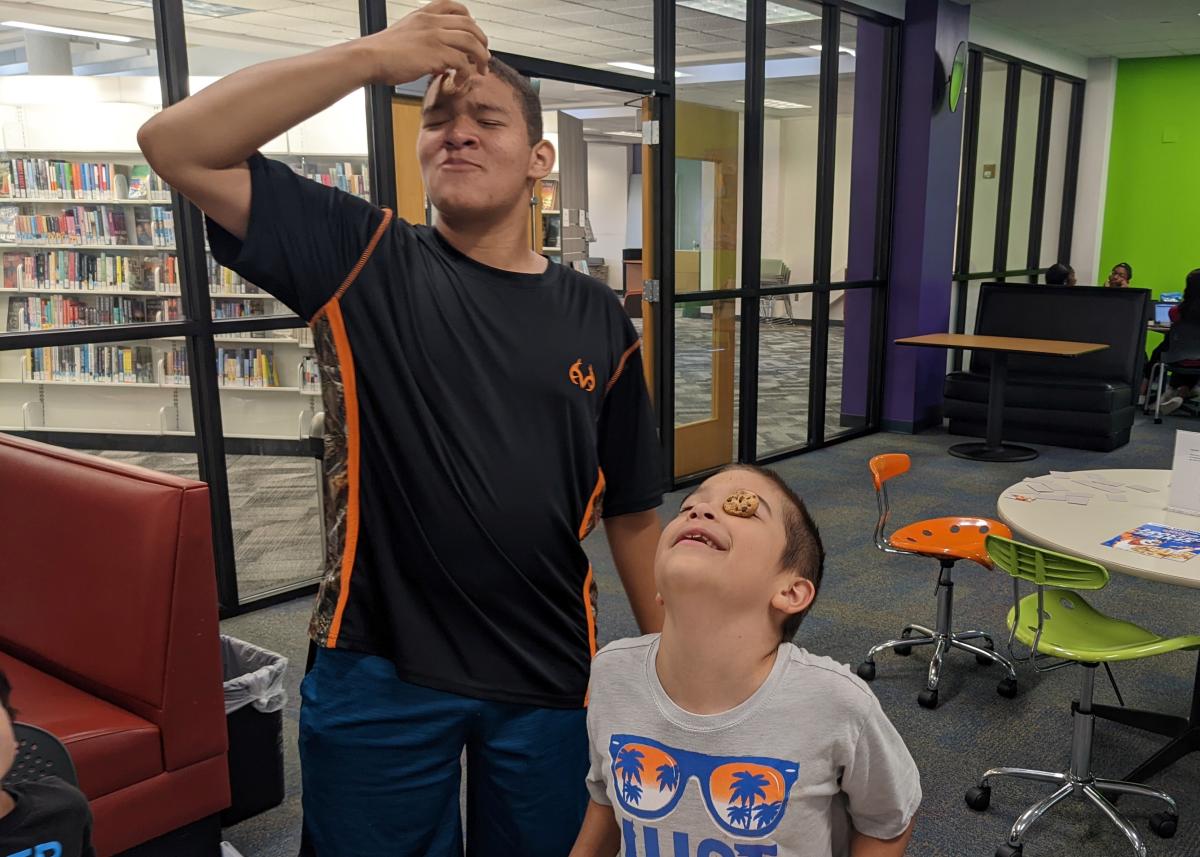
[1159, 541]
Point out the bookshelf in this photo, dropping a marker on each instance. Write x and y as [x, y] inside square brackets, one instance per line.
[87, 239]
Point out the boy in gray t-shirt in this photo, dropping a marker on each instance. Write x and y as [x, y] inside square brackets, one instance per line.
[716, 739]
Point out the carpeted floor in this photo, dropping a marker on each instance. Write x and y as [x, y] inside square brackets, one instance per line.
[865, 599]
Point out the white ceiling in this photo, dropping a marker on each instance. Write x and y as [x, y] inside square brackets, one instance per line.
[594, 32]
[1101, 28]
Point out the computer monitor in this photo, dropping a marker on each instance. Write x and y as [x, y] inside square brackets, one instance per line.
[1162, 313]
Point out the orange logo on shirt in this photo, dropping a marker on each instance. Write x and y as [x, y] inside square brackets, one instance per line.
[587, 383]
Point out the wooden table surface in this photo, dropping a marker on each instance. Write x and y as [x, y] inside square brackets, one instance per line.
[1011, 344]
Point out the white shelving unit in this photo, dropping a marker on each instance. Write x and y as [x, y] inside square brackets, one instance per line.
[96, 120]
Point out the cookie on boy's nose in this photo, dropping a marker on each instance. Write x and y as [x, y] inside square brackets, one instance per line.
[742, 503]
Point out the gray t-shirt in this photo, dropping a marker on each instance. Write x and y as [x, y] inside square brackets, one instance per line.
[784, 773]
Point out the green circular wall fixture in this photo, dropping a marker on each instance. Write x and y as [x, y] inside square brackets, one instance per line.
[958, 76]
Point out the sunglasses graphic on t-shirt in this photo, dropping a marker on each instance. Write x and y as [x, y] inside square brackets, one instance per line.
[745, 795]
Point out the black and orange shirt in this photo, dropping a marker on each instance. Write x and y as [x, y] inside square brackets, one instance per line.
[477, 423]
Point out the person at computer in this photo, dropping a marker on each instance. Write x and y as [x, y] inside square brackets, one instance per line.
[1060, 274]
[1121, 276]
[1185, 381]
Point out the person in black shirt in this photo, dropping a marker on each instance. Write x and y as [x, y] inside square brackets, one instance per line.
[484, 407]
[41, 818]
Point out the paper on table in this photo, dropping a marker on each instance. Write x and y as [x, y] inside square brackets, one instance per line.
[1097, 487]
[1100, 480]
[1079, 499]
[1117, 498]
[1038, 486]
[1143, 489]
[1185, 474]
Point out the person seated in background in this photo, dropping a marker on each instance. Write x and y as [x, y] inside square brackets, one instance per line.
[1185, 382]
[1120, 276]
[1060, 274]
[42, 818]
[719, 736]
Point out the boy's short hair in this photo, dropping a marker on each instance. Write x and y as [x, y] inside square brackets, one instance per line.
[1056, 274]
[5, 697]
[803, 551]
[527, 96]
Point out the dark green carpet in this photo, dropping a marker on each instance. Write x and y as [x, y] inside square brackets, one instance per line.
[865, 599]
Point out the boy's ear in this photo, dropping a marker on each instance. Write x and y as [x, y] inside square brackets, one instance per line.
[795, 597]
[541, 159]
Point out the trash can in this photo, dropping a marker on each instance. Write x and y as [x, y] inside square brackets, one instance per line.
[254, 700]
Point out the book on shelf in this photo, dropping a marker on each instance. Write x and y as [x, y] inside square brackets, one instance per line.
[247, 367]
[234, 308]
[341, 175]
[175, 366]
[74, 270]
[549, 195]
[49, 178]
[79, 224]
[223, 281]
[94, 364]
[8, 222]
[59, 311]
[310, 374]
[155, 226]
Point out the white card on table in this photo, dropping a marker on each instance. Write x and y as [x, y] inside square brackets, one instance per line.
[1079, 499]
[1117, 498]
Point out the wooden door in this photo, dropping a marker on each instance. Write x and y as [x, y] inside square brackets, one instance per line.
[410, 187]
[708, 135]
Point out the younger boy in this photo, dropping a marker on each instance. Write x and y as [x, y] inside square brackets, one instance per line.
[719, 738]
[44, 818]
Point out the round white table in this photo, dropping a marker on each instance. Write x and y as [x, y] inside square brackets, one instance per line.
[1082, 531]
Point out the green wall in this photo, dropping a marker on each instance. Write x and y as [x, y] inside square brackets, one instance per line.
[1152, 206]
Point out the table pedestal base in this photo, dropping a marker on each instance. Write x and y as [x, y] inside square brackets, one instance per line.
[987, 452]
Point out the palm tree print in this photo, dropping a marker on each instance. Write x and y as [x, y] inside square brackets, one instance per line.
[668, 777]
[766, 813]
[629, 765]
[747, 789]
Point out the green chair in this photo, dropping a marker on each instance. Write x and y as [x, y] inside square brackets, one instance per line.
[1057, 624]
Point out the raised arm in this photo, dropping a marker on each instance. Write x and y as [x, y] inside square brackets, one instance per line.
[200, 145]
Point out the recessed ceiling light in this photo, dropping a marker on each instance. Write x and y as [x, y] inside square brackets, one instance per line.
[841, 49]
[778, 105]
[777, 13]
[645, 69]
[65, 31]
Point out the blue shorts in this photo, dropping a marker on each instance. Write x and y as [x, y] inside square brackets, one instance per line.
[381, 764]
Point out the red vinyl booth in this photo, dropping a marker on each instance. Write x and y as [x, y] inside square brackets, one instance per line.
[109, 634]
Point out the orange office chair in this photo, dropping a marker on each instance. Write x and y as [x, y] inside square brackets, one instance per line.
[947, 540]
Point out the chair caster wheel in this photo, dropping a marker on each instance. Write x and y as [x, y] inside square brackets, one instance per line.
[927, 698]
[1007, 850]
[1164, 824]
[866, 670]
[979, 797]
[904, 651]
[1007, 688]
